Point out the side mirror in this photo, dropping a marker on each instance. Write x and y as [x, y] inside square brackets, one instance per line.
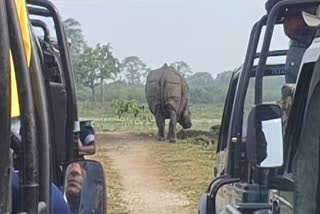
[84, 187]
[86, 145]
[264, 136]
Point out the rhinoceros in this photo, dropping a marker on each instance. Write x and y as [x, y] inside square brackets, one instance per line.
[167, 95]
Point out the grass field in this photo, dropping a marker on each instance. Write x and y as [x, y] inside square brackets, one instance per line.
[203, 117]
[186, 168]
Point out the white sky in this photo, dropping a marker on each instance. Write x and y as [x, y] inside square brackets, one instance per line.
[210, 35]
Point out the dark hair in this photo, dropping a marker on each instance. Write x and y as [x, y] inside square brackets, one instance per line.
[269, 4]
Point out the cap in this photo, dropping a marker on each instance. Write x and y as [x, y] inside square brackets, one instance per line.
[312, 20]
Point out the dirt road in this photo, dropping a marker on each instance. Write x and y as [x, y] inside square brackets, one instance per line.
[138, 181]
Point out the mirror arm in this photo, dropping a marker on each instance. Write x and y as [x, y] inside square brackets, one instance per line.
[214, 181]
[281, 183]
[211, 205]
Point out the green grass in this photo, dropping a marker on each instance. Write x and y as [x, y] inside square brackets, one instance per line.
[185, 168]
[203, 117]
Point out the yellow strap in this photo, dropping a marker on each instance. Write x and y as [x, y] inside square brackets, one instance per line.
[25, 30]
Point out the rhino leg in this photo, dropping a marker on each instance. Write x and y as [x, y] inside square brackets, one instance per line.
[172, 127]
[161, 125]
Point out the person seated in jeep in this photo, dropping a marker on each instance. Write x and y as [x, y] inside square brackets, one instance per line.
[58, 204]
[300, 36]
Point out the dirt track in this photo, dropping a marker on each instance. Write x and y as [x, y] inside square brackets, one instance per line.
[136, 176]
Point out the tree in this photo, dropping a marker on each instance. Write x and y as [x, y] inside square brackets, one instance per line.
[75, 34]
[201, 79]
[182, 67]
[88, 75]
[108, 66]
[223, 78]
[134, 69]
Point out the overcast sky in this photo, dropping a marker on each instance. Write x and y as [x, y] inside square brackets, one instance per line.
[210, 35]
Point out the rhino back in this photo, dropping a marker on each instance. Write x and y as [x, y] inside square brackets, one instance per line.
[153, 89]
[166, 86]
[174, 90]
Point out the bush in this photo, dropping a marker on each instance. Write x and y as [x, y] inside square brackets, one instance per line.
[131, 111]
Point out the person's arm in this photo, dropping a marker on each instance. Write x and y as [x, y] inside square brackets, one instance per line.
[86, 143]
[58, 203]
[87, 149]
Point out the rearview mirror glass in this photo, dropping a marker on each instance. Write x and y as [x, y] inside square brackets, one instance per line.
[84, 187]
[272, 143]
[265, 137]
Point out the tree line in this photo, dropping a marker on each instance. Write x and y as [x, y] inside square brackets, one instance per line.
[99, 73]
[97, 67]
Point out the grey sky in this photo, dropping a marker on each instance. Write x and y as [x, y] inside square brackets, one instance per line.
[210, 35]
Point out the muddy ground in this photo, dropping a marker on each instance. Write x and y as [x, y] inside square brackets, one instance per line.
[148, 176]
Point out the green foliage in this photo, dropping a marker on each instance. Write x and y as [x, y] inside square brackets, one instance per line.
[182, 67]
[120, 90]
[95, 66]
[119, 107]
[124, 91]
[107, 65]
[87, 73]
[209, 94]
[75, 34]
[131, 111]
[203, 116]
[115, 91]
[204, 89]
[134, 69]
[198, 80]
[223, 78]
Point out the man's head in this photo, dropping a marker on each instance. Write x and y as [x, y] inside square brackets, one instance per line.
[269, 5]
[76, 175]
[295, 26]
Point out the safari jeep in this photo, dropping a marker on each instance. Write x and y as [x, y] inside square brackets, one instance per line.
[41, 154]
[268, 156]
